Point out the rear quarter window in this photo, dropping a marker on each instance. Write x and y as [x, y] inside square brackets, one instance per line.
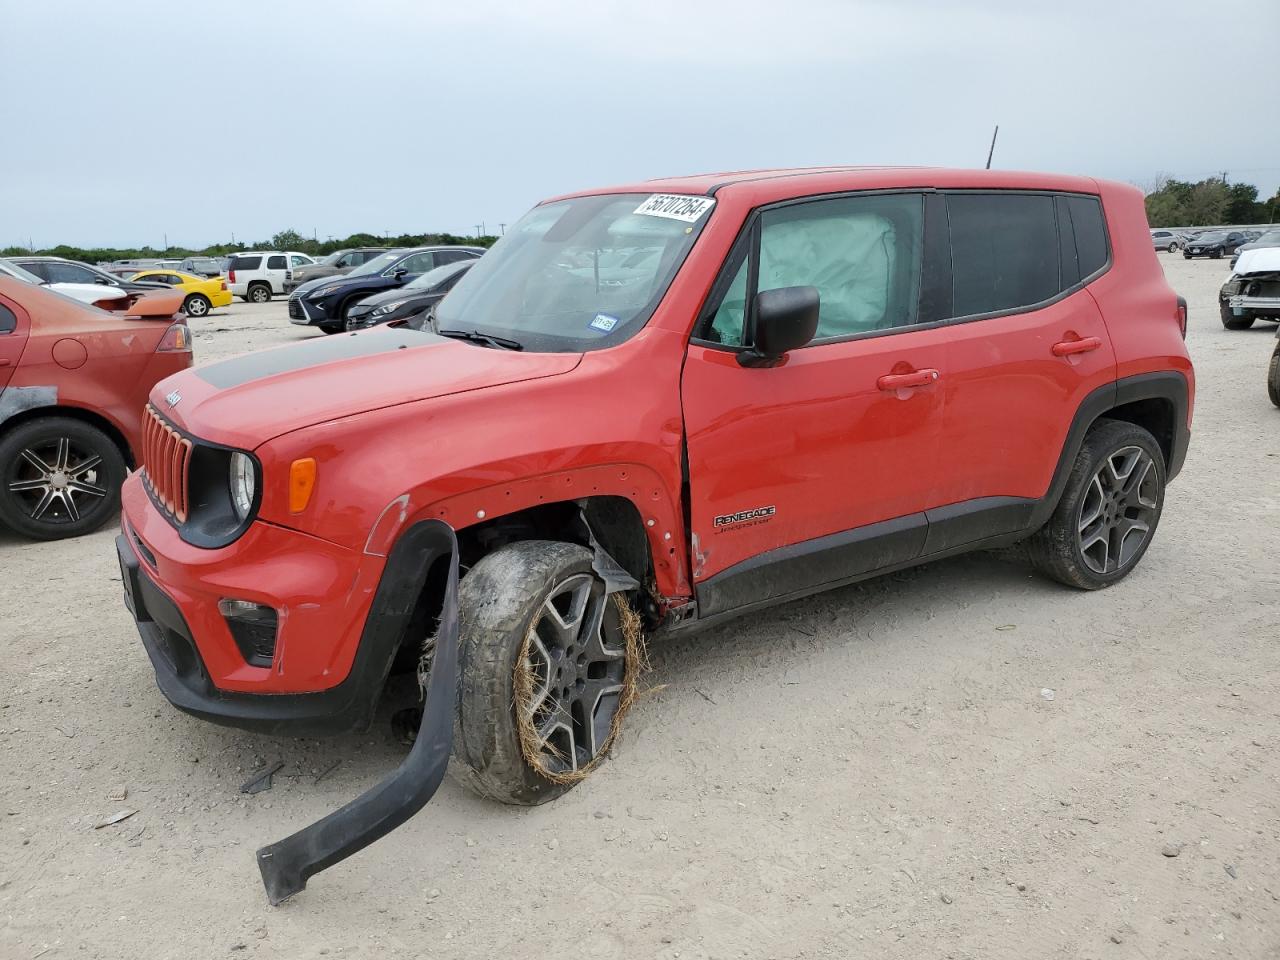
[1090, 232]
[245, 263]
[8, 322]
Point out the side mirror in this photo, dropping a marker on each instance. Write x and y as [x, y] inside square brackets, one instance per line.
[102, 280]
[786, 319]
[399, 272]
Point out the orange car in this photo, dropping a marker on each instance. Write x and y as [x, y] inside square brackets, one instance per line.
[73, 383]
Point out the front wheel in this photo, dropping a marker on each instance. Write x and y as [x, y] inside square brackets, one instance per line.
[549, 663]
[59, 478]
[1273, 377]
[1215, 254]
[1108, 512]
[197, 305]
[1173, 247]
[330, 328]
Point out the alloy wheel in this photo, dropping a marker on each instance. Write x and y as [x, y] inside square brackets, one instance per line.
[575, 662]
[197, 307]
[57, 481]
[1118, 510]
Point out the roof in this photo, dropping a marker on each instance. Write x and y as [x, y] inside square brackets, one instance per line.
[761, 186]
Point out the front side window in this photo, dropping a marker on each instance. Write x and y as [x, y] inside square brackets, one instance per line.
[1004, 251]
[578, 274]
[418, 263]
[863, 255]
[441, 277]
[59, 272]
[377, 264]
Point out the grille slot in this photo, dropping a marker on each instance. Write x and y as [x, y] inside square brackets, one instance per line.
[166, 464]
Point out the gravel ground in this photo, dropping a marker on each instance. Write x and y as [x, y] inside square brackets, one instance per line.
[874, 772]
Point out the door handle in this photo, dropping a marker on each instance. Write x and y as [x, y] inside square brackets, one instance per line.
[1067, 348]
[901, 381]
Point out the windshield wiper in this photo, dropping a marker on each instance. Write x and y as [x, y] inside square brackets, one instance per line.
[475, 336]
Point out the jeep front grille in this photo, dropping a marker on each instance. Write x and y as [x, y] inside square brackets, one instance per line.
[166, 464]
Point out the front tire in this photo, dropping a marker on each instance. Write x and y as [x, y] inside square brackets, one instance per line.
[330, 328]
[546, 671]
[59, 478]
[197, 305]
[1273, 377]
[1109, 510]
[1173, 247]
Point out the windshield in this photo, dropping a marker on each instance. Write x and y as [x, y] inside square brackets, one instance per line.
[13, 270]
[1271, 236]
[437, 276]
[1211, 237]
[377, 264]
[578, 274]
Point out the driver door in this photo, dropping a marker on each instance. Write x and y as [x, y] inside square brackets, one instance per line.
[817, 470]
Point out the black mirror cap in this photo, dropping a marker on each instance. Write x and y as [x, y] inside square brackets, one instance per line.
[785, 319]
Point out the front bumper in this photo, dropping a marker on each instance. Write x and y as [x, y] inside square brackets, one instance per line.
[306, 314]
[1240, 304]
[331, 658]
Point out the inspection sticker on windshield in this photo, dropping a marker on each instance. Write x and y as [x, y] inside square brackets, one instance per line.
[604, 322]
[676, 207]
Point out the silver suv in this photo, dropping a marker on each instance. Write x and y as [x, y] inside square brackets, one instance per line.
[337, 264]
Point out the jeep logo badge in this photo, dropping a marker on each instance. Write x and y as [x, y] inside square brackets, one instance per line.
[173, 399]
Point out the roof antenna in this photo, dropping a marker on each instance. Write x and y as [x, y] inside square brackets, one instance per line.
[990, 152]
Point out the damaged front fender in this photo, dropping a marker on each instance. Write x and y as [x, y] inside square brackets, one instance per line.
[287, 864]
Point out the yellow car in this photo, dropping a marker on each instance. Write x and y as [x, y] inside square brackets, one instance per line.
[202, 294]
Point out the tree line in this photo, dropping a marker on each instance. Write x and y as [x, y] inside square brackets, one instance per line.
[1180, 203]
[284, 240]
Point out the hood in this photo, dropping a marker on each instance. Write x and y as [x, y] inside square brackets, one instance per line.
[1258, 260]
[246, 401]
[308, 285]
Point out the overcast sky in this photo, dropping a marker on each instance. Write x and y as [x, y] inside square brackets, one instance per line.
[125, 121]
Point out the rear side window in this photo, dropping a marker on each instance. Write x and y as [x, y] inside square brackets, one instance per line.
[1004, 251]
[245, 263]
[8, 322]
[276, 262]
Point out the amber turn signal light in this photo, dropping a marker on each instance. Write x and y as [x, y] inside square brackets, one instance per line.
[302, 480]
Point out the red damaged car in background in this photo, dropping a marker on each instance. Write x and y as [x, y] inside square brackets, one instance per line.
[73, 383]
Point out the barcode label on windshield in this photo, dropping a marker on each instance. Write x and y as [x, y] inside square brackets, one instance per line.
[676, 207]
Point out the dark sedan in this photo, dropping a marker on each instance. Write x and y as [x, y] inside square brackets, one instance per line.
[1214, 244]
[326, 306]
[414, 297]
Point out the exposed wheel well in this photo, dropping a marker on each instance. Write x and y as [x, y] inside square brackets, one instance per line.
[1155, 415]
[75, 413]
[615, 522]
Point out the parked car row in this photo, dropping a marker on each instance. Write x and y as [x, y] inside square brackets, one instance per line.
[1206, 242]
[329, 302]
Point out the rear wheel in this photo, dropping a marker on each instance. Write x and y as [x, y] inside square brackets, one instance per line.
[1109, 511]
[1273, 377]
[197, 305]
[58, 478]
[1215, 254]
[259, 293]
[1231, 321]
[546, 673]
[1173, 247]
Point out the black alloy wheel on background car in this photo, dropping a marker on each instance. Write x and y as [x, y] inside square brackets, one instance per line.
[59, 478]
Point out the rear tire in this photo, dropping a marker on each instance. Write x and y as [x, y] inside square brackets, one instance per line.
[1109, 510]
[503, 600]
[197, 305]
[259, 293]
[1231, 322]
[1273, 377]
[59, 478]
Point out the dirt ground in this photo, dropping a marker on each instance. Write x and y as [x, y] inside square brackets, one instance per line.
[879, 771]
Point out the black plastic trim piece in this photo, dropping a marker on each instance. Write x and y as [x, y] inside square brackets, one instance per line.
[287, 864]
[788, 570]
[967, 522]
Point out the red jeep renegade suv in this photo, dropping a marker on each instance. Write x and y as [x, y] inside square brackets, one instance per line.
[664, 404]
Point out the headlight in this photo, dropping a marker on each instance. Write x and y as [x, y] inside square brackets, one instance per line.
[325, 290]
[243, 485]
[386, 308]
